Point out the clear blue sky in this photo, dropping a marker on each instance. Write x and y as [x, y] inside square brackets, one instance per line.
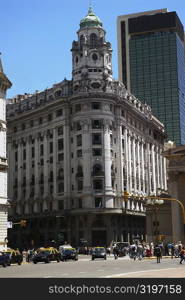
[36, 36]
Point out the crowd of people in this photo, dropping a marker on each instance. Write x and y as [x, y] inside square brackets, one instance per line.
[139, 250]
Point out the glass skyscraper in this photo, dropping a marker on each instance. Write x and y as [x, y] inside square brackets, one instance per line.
[152, 65]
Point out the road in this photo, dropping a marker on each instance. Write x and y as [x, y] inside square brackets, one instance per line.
[123, 267]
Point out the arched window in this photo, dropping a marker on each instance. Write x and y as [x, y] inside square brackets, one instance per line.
[93, 40]
[97, 169]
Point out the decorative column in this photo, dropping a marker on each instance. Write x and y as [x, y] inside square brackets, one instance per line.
[134, 163]
[45, 165]
[28, 167]
[153, 168]
[142, 165]
[148, 172]
[67, 165]
[126, 159]
[139, 164]
[157, 167]
[55, 155]
[107, 166]
[129, 163]
[165, 173]
[20, 160]
[37, 164]
[120, 158]
[86, 146]
[161, 170]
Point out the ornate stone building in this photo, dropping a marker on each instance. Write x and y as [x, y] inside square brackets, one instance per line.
[4, 85]
[176, 186]
[75, 148]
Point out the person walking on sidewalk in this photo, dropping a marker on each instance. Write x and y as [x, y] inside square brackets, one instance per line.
[182, 255]
[158, 253]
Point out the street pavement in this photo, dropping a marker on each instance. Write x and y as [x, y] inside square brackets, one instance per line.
[123, 267]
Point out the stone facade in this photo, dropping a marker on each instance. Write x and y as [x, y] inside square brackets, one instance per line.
[75, 148]
[4, 85]
[176, 187]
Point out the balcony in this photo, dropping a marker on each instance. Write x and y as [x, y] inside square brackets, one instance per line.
[98, 174]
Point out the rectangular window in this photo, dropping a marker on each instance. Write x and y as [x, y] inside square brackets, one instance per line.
[97, 152]
[98, 202]
[32, 152]
[80, 203]
[96, 138]
[60, 130]
[96, 105]
[78, 126]
[50, 117]
[78, 107]
[61, 187]
[60, 204]
[60, 156]
[97, 184]
[96, 124]
[16, 156]
[60, 144]
[79, 140]
[51, 147]
[41, 149]
[80, 185]
[79, 153]
[24, 154]
[59, 112]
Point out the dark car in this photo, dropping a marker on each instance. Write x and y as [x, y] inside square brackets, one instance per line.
[14, 256]
[46, 255]
[4, 259]
[99, 252]
[69, 253]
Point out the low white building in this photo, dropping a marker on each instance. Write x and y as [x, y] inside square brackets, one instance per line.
[75, 148]
[4, 85]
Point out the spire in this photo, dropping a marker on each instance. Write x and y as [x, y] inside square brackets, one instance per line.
[1, 66]
[5, 83]
[90, 11]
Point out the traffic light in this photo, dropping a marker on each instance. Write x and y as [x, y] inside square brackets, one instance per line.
[23, 223]
[126, 196]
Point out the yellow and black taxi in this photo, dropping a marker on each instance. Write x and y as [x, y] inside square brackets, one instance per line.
[68, 253]
[14, 256]
[46, 255]
[99, 252]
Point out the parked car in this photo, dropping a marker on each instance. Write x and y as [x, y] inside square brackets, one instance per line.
[4, 259]
[14, 256]
[99, 252]
[46, 255]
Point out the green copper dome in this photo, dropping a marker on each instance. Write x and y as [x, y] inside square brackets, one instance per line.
[91, 20]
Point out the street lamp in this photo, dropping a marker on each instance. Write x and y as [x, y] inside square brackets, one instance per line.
[154, 205]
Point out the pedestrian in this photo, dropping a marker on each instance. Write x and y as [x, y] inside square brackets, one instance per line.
[182, 255]
[140, 251]
[115, 252]
[172, 250]
[158, 253]
[133, 251]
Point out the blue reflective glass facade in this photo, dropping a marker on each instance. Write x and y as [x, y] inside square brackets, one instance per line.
[157, 68]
